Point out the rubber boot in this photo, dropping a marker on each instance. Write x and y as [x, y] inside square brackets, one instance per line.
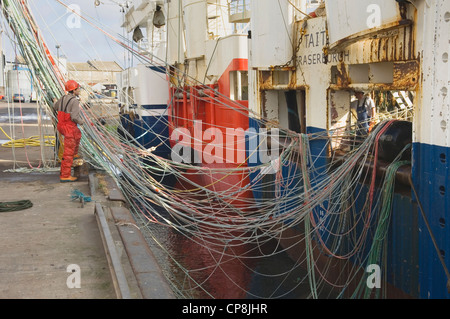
[68, 179]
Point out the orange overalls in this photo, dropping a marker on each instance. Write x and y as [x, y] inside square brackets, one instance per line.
[72, 137]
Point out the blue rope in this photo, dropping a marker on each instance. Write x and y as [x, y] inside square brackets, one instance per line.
[76, 195]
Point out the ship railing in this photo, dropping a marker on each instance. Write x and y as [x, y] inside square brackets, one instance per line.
[239, 11]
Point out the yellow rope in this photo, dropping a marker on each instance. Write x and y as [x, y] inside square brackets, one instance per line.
[30, 141]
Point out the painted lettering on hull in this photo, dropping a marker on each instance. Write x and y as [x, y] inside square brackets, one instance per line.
[321, 58]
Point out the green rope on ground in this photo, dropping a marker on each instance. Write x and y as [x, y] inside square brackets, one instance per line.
[15, 206]
[77, 195]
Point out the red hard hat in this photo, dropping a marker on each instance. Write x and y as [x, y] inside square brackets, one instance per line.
[71, 85]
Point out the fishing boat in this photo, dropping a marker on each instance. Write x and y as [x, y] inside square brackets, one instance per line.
[237, 132]
[294, 65]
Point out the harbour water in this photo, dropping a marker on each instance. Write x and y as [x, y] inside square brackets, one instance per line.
[247, 271]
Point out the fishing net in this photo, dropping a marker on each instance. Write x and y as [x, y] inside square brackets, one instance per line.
[315, 197]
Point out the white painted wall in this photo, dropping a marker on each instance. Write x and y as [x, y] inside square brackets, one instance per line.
[175, 32]
[151, 87]
[220, 52]
[351, 17]
[195, 14]
[272, 32]
[432, 115]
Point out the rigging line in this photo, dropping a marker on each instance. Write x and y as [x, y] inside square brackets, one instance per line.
[17, 25]
[232, 104]
[205, 235]
[23, 128]
[285, 24]
[106, 38]
[161, 246]
[71, 32]
[210, 60]
[296, 8]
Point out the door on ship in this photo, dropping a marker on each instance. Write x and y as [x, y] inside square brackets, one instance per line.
[389, 104]
[287, 107]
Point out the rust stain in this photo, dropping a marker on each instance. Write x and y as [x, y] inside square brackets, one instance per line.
[293, 80]
[406, 74]
[389, 45]
[342, 77]
[263, 103]
[265, 80]
[365, 34]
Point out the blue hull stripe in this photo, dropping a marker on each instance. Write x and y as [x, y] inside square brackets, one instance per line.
[432, 182]
[159, 69]
[154, 106]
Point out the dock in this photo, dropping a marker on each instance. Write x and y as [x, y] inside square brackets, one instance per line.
[65, 248]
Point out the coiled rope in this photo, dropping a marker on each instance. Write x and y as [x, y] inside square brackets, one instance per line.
[15, 206]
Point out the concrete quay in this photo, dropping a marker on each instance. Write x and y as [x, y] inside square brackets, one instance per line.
[62, 248]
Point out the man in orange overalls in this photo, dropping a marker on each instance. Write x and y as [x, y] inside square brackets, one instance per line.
[68, 108]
